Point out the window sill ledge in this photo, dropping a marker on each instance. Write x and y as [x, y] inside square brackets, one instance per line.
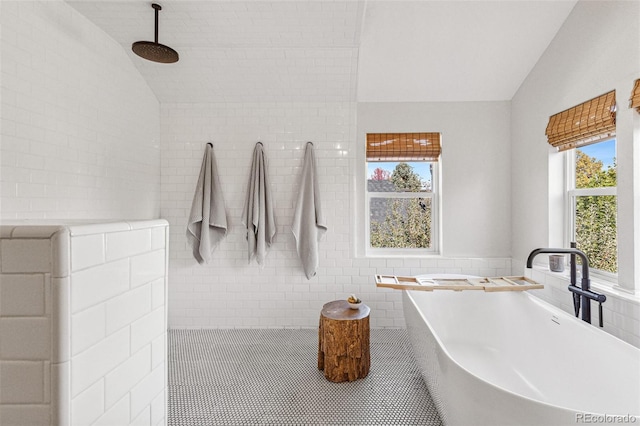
[403, 256]
[609, 288]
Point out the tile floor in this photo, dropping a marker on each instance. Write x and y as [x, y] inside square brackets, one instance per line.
[270, 377]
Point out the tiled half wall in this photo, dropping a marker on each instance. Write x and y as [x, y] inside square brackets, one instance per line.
[83, 323]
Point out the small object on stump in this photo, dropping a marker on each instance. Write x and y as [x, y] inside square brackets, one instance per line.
[343, 341]
[354, 302]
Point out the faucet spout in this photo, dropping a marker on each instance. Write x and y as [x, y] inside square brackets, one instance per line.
[584, 291]
[585, 261]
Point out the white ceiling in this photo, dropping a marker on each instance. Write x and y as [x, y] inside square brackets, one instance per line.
[335, 50]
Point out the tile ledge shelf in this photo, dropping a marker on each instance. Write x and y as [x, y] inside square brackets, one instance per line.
[46, 228]
[608, 287]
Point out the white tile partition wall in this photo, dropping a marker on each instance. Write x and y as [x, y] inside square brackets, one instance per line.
[83, 320]
[621, 311]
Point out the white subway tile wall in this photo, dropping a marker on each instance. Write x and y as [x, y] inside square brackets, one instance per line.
[621, 311]
[88, 347]
[79, 124]
[230, 292]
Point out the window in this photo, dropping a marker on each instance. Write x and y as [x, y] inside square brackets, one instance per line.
[401, 193]
[634, 100]
[587, 132]
[592, 204]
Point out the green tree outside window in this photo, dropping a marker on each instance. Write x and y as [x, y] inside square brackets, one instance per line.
[595, 216]
[407, 221]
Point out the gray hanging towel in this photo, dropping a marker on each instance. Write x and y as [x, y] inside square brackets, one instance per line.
[257, 215]
[308, 222]
[208, 218]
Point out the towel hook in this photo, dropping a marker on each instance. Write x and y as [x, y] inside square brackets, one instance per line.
[259, 143]
[210, 144]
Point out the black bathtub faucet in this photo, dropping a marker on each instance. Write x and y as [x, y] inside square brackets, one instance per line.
[584, 291]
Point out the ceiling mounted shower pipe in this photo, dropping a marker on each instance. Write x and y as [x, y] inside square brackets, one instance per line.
[152, 50]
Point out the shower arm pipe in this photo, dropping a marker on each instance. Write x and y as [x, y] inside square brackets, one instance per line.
[157, 8]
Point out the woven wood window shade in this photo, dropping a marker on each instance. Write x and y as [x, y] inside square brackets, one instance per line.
[403, 146]
[590, 122]
[634, 102]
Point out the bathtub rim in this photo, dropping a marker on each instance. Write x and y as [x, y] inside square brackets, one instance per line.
[590, 328]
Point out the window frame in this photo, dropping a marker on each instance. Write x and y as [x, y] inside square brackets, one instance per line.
[434, 195]
[571, 194]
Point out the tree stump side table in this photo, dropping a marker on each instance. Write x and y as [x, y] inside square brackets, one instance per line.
[343, 341]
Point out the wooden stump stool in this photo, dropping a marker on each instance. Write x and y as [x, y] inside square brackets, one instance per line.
[343, 341]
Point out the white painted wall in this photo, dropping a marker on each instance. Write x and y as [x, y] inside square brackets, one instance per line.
[79, 124]
[435, 51]
[475, 171]
[597, 50]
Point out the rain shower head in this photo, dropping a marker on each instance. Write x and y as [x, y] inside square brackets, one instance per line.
[152, 50]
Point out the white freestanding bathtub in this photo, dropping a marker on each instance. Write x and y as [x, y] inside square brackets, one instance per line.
[508, 358]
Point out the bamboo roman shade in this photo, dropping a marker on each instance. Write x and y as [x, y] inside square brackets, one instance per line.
[584, 124]
[403, 146]
[634, 102]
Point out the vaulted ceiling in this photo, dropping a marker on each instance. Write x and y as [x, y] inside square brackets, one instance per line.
[333, 50]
